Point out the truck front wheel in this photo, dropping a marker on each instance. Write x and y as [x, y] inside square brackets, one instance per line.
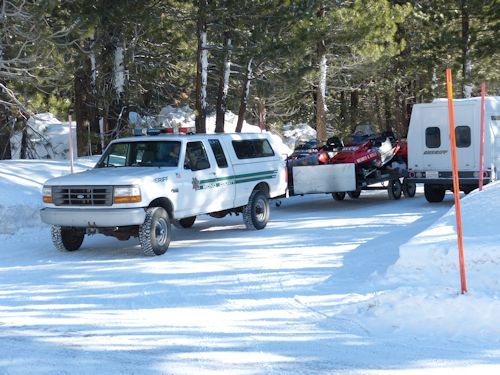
[156, 232]
[66, 238]
[433, 194]
[256, 212]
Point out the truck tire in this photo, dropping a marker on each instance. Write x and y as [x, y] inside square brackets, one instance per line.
[256, 212]
[354, 194]
[186, 222]
[433, 194]
[66, 238]
[339, 196]
[394, 189]
[409, 188]
[156, 232]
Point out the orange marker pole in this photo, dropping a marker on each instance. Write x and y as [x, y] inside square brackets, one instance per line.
[481, 146]
[456, 185]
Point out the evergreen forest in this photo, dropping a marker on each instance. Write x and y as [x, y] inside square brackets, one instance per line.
[332, 64]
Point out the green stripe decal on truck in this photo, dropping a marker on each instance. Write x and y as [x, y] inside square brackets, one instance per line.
[236, 179]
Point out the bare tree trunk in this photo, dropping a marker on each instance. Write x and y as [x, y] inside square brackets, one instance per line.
[223, 86]
[244, 97]
[321, 108]
[85, 107]
[5, 133]
[115, 112]
[387, 112]
[201, 69]
[262, 110]
[353, 109]
[377, 109]
[23, 153]
[343, 110]
[399, 109]
[466, 60]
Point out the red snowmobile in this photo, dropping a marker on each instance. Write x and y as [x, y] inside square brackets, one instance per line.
[370, 151]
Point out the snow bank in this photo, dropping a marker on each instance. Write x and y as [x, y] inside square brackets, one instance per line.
[295, 134]
[21, 184]
[49, 137]
[425, 279]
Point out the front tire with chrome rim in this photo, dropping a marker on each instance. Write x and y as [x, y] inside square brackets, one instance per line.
[156, 232]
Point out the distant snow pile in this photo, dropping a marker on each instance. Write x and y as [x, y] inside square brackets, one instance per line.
[295, 134]
[21, 184]
[429, 299]
[172, 117]
[48, 138]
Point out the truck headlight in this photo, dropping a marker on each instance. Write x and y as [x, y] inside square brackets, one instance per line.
[47, 194]
[127, 194]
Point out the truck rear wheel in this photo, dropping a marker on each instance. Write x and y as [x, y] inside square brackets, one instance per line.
[66, 238]
[433, 194]
[339, 196]
[256, 212]
[394, 189]
[156, 232]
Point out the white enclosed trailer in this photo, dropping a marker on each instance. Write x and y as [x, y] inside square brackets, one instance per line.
[429, 151]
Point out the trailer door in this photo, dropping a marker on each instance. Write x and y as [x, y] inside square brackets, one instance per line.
[467, 129]
[436, 142]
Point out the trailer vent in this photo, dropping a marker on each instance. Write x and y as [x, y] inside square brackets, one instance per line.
[82, 195]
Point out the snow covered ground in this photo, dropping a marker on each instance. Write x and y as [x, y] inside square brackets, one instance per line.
[366, 286]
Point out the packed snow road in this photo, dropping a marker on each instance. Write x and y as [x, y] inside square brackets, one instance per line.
[222, 299]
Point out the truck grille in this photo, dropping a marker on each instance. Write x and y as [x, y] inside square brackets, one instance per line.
[82, 195]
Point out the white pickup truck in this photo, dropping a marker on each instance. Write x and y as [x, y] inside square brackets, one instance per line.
[142, 185]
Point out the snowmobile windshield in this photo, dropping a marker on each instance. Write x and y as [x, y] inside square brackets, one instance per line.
[141, 154]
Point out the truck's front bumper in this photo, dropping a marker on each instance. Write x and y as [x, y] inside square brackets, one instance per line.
[100, 218]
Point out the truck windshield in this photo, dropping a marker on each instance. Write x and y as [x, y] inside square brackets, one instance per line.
[141, 154]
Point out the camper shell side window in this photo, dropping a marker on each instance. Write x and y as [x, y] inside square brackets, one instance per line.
[432, 137]
[252, 148]
[462, 136]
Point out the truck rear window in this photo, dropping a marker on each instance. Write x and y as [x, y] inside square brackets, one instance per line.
[432, 137]
[252, 148]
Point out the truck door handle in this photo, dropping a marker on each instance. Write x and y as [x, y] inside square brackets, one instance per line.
[175, 190]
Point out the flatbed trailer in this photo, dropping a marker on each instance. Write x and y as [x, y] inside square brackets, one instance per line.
[341, 179]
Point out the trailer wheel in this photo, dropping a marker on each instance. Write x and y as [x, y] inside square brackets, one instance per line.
[339, 196]
[433, 194]
[394, 189]
[409, 188]
[354, 194]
